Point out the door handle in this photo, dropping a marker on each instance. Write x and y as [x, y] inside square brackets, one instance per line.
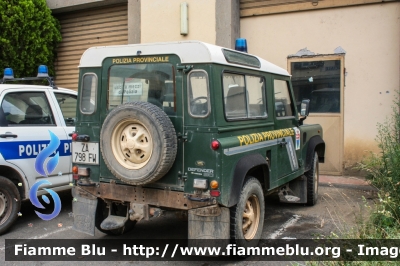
[8, 135]
[283, 142]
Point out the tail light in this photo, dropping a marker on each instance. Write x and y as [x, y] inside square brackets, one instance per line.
[215, 145]
[74, 136]
[214, 184]
[215, 193]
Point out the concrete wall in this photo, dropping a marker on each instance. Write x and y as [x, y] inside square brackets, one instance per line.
[212, 21]
[370, 35]
[161, 21]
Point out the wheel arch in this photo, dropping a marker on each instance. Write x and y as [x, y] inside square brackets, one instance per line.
[15, 177]
[316, 143]
[253, 165]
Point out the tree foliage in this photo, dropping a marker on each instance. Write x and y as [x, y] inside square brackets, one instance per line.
[29, 36]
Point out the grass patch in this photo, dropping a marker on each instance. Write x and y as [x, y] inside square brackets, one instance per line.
[383, 171]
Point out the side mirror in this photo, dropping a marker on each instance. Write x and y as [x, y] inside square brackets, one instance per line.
[304, 110]
[305, 107]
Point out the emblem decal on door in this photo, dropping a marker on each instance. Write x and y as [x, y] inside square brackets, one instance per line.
[51, 164]
[297, 134]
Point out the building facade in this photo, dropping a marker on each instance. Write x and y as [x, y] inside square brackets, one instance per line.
[344, 55]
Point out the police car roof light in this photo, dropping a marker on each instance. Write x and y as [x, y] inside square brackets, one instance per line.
[43, 71]
[42, 74]
[8, 73]
[241, 45]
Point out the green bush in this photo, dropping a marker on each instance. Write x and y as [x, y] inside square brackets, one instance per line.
[29, 36]
[384, 172]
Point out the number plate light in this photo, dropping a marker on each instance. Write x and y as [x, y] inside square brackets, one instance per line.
[83, 171]
[83, 138]
[200, 183]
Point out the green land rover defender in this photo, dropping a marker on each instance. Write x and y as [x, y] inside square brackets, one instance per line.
[189, 127]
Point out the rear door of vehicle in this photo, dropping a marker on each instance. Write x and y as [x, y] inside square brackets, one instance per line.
[200, 160]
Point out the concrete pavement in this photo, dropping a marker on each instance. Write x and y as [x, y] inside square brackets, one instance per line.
[346, 181]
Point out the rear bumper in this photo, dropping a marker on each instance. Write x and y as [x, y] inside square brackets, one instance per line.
[150, 196]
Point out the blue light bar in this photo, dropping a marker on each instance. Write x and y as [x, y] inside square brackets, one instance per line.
[241, 45]
[8, 73]
[43, 71]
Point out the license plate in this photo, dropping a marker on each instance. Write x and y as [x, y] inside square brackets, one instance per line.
[85, 152]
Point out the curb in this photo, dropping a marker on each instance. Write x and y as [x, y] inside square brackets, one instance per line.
[346, 182]
[350, 186]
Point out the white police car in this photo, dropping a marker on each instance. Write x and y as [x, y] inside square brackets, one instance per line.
[29, 116]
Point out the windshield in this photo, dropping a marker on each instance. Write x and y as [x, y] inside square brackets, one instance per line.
[153, 83]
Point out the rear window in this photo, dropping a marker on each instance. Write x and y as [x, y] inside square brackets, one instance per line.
[198, 94]
[88, 97]
[153, 83]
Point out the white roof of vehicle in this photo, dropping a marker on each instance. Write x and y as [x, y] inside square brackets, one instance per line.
[33, 87]
[189, 52]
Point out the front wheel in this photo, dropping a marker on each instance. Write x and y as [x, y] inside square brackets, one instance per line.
[312, 181]
[10, 204]
[247, 217]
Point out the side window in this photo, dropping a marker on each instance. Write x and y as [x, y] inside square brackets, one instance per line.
[88, 97]
[255, 91]
[283, 103]
[244, 96]
[27, 108]
[198, 94]
[67, 103]
[234, 96]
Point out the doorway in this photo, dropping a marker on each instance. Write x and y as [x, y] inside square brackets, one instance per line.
[320, 79]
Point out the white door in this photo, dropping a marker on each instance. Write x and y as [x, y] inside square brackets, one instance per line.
[34, 138]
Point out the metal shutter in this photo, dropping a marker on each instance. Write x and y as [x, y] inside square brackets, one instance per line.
[250, 8]
[83, 29]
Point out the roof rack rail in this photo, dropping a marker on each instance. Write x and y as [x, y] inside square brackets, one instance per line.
[43, 74]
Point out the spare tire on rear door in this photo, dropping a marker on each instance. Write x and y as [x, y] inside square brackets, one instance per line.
[138, 142]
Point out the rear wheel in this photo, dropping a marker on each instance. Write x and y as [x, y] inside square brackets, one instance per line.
[312, 181]
[10, 204]
[247, 217]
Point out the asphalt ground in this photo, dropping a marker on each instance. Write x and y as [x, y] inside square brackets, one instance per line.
[343, 202]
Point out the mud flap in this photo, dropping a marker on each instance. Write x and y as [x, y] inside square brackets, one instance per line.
[295, 191]
[84, 209]
[210, 223]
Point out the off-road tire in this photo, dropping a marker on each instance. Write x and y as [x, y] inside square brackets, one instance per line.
[313, 181]
[250, 209]
[102, 213]
[10, 204]
[138, 143]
